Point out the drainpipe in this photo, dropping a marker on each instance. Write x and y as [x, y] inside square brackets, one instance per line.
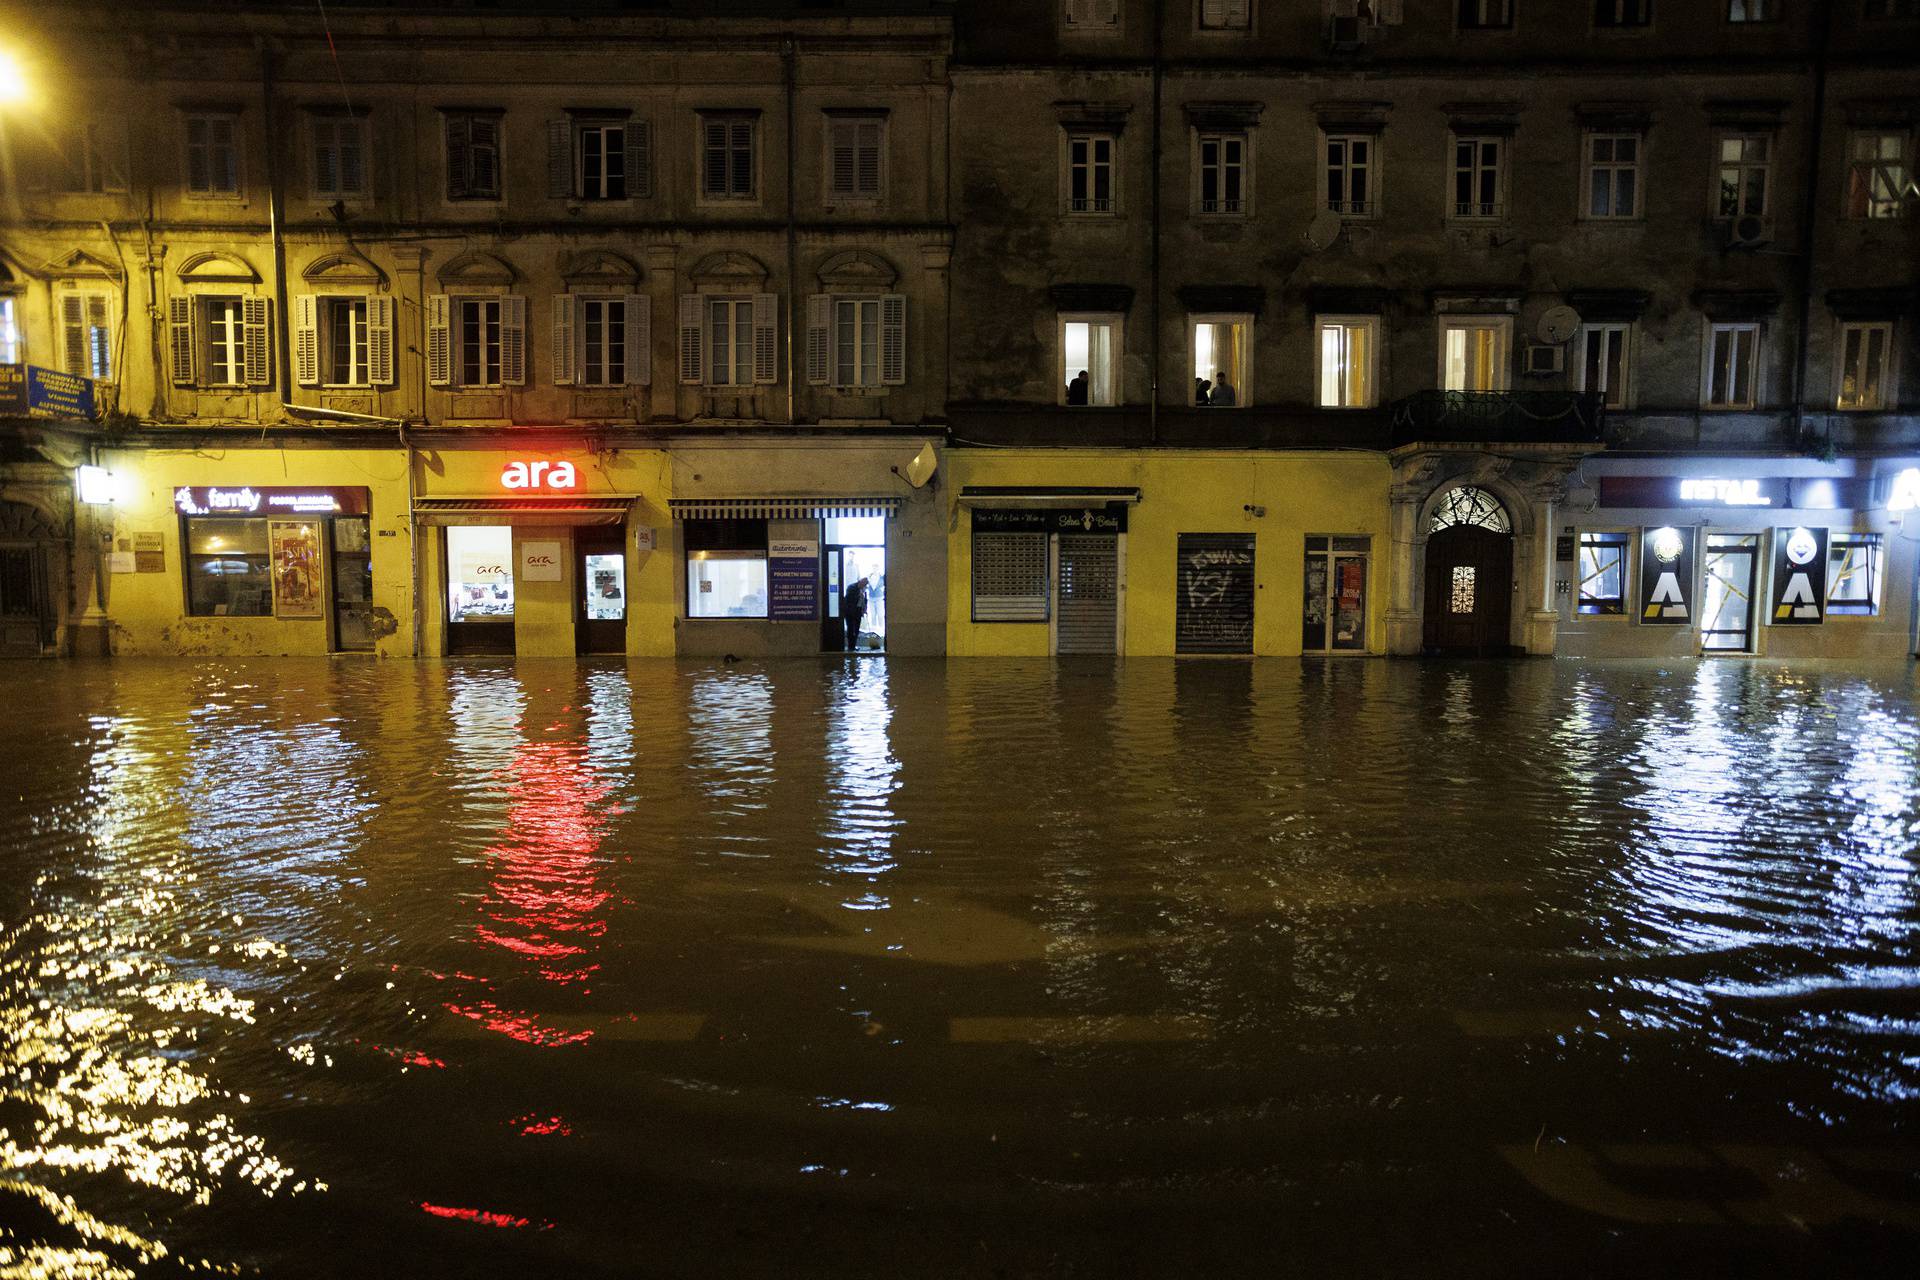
[274, 215]
[787, 73]
[1809, 208]
[413, 541]
[1153, 237]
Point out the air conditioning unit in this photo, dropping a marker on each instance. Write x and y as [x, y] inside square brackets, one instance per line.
[1749, 231]
[1541, 359]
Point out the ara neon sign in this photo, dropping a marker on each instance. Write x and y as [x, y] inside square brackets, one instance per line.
[539, 475]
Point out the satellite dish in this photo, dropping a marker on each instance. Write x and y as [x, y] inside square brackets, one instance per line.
[920, 470]
[1323, 230]
[1559, 324]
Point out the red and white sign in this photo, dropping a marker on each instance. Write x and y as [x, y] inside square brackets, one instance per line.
[539, 474]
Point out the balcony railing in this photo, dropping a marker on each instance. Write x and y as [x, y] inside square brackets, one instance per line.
[1538, 417]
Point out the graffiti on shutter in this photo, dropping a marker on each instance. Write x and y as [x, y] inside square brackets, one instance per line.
[1213, 610]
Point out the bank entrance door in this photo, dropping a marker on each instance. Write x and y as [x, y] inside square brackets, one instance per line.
[600, 624]
[852, 548]
[1726, 617]
[1087, 593]
[479, 589]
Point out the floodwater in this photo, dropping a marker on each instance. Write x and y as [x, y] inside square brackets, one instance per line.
[976, 968]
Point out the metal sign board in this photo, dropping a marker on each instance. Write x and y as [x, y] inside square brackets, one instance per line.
[793, 580]
[1666, 576]
[1799, 577]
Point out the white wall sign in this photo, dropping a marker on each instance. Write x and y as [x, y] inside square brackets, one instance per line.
[540, 561]
[1732, 493]
[643, 538]
[793, 549]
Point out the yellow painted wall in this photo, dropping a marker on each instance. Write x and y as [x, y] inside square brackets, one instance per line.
[1185, 491]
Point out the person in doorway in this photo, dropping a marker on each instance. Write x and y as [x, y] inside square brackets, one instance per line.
[853, 610]
[1222, 391]
[1200, 386]
[1077, 389]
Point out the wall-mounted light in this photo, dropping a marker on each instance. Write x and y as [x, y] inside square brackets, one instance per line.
[1906, 491]
[97, 485]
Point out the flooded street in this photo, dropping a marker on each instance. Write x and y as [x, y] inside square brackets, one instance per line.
[988, 968]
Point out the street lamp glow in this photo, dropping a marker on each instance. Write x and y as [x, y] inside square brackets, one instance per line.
[13, 81]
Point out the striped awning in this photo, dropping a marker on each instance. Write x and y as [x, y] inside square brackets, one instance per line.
[521, 511]
[782, 508]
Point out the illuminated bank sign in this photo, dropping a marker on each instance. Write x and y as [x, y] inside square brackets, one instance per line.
[1726, 493]
[271, 500]
[1666, 576]
[530, 474]
[1799, 577]
[1906, 491]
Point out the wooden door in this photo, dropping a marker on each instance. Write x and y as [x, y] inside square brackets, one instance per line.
[1469, 591]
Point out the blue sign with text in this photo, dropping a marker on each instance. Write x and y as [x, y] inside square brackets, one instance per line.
[44, 393]
[793, 580]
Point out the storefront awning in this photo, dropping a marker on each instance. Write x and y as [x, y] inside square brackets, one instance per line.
[781, 508]
[521, 511]
[1045, 497]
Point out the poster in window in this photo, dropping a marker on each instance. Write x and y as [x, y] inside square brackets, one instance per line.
[295, 548]
[1213, 611]
[1666, 576]
[1799, 577]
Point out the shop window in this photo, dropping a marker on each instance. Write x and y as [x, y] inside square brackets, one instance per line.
[86, 334]
[1876, 174]
[1090, 173]
[1745, 173]
[1622, 13]
[1475, 353]
[1753, 10]
[1733, 352]
[1865, 366]
[1335, 595]
[1349, 348]
[727, 157]
[1479, 178]
[92, 158]
[473, 155]
[479, 573]
[1613, 176]
[213, 155]
[1603, 573]
[1486, 15]
[1090, 359]
[229, 570]
[1853, 573]
[1221, 173]
[726, 568]
[9, 332]
[1221, 347]
[1351, 174]
[339, 155]
[1603, 363]
[1010, 577]
[856, 157]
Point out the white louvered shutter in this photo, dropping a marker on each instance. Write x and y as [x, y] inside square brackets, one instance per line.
[639, 340]
[559, 159]
[73, 333]
[766, 333]
[97, 319]
[380, 340]
[180, 340]
[691, 334]
[893, 339]
[255, 348]
[513, 341]
[439, 340]
[639, 159]
[564, 359]
[819, 339]
[306, 339]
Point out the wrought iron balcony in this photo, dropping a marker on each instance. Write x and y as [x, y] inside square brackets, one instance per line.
[1537, 417]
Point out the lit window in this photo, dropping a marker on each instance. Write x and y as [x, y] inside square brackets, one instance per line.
[726, 158]
[1090, 173]
[9, 333]
[1479, 177]
[1603, 575]
[1603, 362]
[726, 568]
[228, 569]
[856, 154]
[1090, 359]
[479, 573]
[339, 156]
[1613, 175]
[1474, 353]
[224, 342]
[1222, 173]
[1864, 365]
[1732, 359]
[1221, 350]
[213, 155]
[1876, 174]
[1853, 573]
[1745, 167]
[1349, 347]
[1460, 599]
[1350, 174]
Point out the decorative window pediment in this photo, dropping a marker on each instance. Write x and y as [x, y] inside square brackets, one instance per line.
[345, 270]
[599, 269]
[858, 271]
[216, 267]
[81, 265]
[476, 268]
[726, 270]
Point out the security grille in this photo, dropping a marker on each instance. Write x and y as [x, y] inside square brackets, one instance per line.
[1089, 592]
[1009, 577]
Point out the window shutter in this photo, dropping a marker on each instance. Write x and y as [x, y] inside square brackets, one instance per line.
[253, 324]
[893, 339]
[741, 159]
[844, 148]
[326, 172]
[482, 175]
[639, 159]
[456, 157]
[353, 156]
[639, 340]
[714, 179]
[306, 339]
[439, 340]
[559, 159]
[869, 135]
[819, 339]
[73, 324]
[691, 334]
[1213, 13]
[180, 340]
[563, 355]
[513, 341]
[1106, 13]
[766, 365]
[380, 340]
[1079, 12]
[112, 136]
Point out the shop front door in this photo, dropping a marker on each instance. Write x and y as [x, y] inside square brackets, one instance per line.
[1469, 591]
[600, 624]
[1726, 621]
[24, 621]
[1088, 612]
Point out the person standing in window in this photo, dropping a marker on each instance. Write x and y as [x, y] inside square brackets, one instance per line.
[1200, 386]
[1222, 390]
[1077, 389]
[853, 610]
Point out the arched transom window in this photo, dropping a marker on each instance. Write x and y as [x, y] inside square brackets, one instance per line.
[1474, 508]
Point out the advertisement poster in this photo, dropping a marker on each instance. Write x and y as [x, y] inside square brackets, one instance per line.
[1666, 576]
[295, 549]
[540, 562]
[1799, 577]
[793, 580]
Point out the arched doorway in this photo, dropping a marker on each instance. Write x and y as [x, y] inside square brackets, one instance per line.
[1469, 575]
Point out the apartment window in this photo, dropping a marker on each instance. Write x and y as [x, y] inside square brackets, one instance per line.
[857, 148]
[86, 334]
[726, 568]
[9, 332]
[1479, 178]
[343, 341]
[1853, 573]
[218, 341]
[603, 342]
[1745, 167]
[1752, 10]
[1090, 359]
[1090, 173]
[1893, 8]
[1475, 353]
[1486, 15]
[1223, 173]
[1226, 15]
[1876, 174]
[213, 155]
[1622, 13]
[729, 342]
[1613, 175]
[1090, 17]
[1349, 349]
[1865, 365]
[339, 156]
[1603, 362]
[229, 570]
[602, 161]
[93, 158]
[1010, 577]
[856, 332]
[473, 155]
[223, 339]
[726, 158]
[344, 322]
[1222, 349]
[1733, 352]
[1603, 573]
[1350, 174]
[476, 341]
